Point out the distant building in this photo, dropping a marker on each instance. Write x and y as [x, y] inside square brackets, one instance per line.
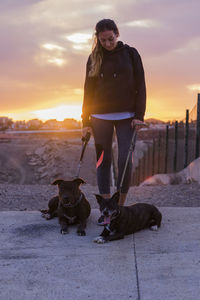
[34, 124]
[19, 125]
[5, 123]
[52, 124]
[71, 124]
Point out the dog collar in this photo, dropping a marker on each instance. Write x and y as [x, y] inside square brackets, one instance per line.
[115, 215]
[73, 205]
[108, 227]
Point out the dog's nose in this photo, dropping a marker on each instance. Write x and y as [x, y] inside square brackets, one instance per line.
[106, 213]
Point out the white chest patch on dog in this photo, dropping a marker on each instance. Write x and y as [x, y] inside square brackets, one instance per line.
[71, 220]
[108, 228]
[154, 228]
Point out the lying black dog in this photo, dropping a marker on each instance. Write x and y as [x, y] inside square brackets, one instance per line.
[126, 219]
[70, 206]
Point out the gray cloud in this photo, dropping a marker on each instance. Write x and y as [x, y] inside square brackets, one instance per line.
[167, 45]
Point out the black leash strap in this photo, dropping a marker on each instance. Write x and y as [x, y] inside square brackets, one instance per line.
[131, 149]
[85, 141]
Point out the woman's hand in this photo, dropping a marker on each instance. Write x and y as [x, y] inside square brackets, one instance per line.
[85, 130]
[138, 124]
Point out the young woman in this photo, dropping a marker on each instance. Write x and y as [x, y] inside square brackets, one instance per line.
[114, 97]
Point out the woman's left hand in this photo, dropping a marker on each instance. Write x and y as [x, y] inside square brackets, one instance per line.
[137, 124]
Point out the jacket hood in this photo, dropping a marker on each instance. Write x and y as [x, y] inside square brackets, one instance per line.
[119, 47]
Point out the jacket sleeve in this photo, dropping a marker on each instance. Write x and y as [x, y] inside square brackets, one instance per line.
[88, 96]
[140, 97]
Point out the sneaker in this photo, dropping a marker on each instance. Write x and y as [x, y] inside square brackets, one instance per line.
[103, 221]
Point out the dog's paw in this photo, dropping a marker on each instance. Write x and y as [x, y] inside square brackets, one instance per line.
[64, 231]
[99, 240]
[154, 228]
[45, 215]
[48, 217]
[81, 233]
[44, 211]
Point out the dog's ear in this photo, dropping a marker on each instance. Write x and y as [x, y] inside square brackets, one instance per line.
[79, 181]
[116, 196]
[58, 181]
[99, 198]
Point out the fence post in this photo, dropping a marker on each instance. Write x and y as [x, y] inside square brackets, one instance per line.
[134, 178]
[146, 163]
[159, 146]
[149, 161]
[138, 174]
[141, 169]
[175, 146]
[166, 148]
[186, 138]
[198, 127]
[144, 166]
[153, 157]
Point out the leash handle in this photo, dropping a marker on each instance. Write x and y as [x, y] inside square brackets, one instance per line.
[85, 141]
[143, 124]
[86, 138]
[131, 149]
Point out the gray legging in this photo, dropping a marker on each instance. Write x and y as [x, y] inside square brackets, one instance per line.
[103, 133]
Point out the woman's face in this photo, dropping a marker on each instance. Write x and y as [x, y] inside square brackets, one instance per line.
[108, 39]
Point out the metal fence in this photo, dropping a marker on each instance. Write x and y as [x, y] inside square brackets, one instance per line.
[174, 148]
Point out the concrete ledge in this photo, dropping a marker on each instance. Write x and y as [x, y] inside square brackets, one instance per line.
[37, 262]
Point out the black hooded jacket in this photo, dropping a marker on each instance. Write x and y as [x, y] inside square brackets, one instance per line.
[119, 86]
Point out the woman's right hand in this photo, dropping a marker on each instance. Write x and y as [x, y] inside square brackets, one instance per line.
[85, 130]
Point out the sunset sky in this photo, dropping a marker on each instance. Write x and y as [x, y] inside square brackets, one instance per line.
[45, 45]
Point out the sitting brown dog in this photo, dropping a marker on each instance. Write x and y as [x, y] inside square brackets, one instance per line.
[70, 206]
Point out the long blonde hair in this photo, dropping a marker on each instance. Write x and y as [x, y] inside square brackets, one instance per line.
[96, 57]
[97, 49]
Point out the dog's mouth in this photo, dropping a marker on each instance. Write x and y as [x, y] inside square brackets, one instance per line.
[67, 205]
[106, 214]
[110, 214]
[106, 220]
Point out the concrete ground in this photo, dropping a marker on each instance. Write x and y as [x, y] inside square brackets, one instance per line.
[37, 262]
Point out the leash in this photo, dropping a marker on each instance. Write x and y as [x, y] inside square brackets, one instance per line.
[131, 149]
[85, 141]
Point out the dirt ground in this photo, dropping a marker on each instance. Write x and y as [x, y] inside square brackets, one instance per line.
[42, 158]
[36, 197]
[29, 164]
[39, 159]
